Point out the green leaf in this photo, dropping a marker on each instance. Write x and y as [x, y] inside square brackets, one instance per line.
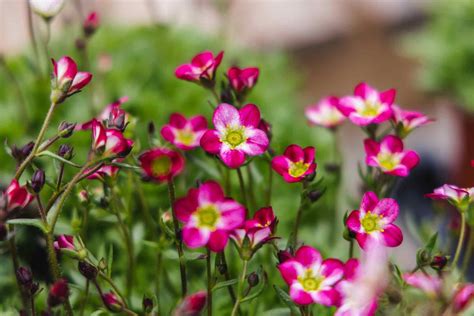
[110, 259]
[29, 222]
[223, 284]
[126, 166]
[287, 300]
[59, 158]
[432, 242]
[53, 211]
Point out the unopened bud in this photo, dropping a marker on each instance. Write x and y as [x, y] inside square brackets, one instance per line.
[80, 44]
[112, 302]
[58, 293]
[24, 276]
[422, 258]
[66, 129]
[439, 262]
[253, 279]
[37, 180]
[348, 234]
[315, 195]
[87, 270]
[65, 151]
[91, 23]
[147, 304]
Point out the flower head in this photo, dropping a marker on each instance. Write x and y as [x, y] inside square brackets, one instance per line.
[184, 133]
[407, 121]
[389, 156]
[242, 80]
[109, 142]
[295, 163]
[374, 221]
[429, 284]
[16, 196]
[236, 134]
[459, 197]
[208, 216]
[463, 297]
[312, 279]
[201, 69]
[47, 8]
[161, 164]
[192, 305]
[325, 113]
[367, 105]
[66, 79]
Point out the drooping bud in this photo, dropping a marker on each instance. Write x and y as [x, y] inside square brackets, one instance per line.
[21, 153]
[58, 293]
[66, 151]
[112, 302]
[66, 129]
[24, 276]
[253, 279]
[315, 195]
[87, 270]
[37, 181]
[439, 262]
[192, 304]
[147, 304]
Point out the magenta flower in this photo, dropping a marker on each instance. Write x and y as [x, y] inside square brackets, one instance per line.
[112, 114]
[66, 79]
[367, 105]
[407, 121]
[16, 196]
[262, 218]
[295, 163]
[112, 302]
[192, 305]
[236, 134]
[91, 23]
[203, 67]
[463, 297]
[374, 221]
[58, 293]
[109, 142]
[242, 80]
[389, 156]
[459, 197]
[325, 113]
[208, 216]
[312, 279]
[429, 284]
[64, 242]
[161, 164]
[107, 171]
[184, 133]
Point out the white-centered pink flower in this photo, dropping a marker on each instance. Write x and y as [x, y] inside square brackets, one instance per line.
[312, 279]
[236, 134]
[184, 133]
[367, 105]
[16, 196]
[66, 79]
[161, 164]
[457, 196]
[208, 216]
[407, 121]
[202, 67]
[325, 113]
[109, 142]
[374, 221]
[430, 284]
[47, 8]
[389, 155]
[295, 164]
[242, 80]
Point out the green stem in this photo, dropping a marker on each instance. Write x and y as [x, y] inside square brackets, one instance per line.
[240, 288]
[114, 287]
[86, 296]
[242, 186]
[16, 265]
[251, 190]
[461, 239]
[209, 283]
[294, 234]
[468, 254]
[227, 276]
[270, 184]
[178, 239]
[351, 248]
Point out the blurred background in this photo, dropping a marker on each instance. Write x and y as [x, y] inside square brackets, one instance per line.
[307, 49]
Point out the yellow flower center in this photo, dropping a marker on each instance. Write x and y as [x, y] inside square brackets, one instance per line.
[297, 169]
[161, 166]
[207, 217]
[388, 161]
[371, 222]
[185, 137]
[370, 109]
[234, 137]
[310, 282]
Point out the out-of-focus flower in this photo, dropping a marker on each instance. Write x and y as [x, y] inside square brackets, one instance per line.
[459, 197]
[312, 279]
[463, 297]
[184, 133]
[208, 216]
[47, 8]
[295, 164]
[161, 164]
[66, 151]
[429, 284]
[17, 196]
[58, 293]
[112, 302]
[367, 105]
[439, 262]
[262, 218]
[202, 68]
[66, 79]
[236, 134]
[242, 80]
[325, 113]
[389, 156]
[66, 129]
[91, 23]
[109, 142]
[407, 121]
[192, 305]
[113, 115]
[104, 172]
[374, 221]
[64, 242]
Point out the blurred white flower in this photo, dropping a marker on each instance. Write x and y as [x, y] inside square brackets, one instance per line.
[47, 8]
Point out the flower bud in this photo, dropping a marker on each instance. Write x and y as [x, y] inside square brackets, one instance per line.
[91, 23]
[81, 44]
[87, 270]
[21, 153]
[253, 279]
[348, 235]
[47, 8]
[58, 293]
[83, 196]
[283, 255]
[65, 151]
[439, 262]
[64, 242]
[147, 304]
[37, 181]
[24, 276]
[423, 257]
[151, 128]
[66, 129]
[315, 195]
[112, 302]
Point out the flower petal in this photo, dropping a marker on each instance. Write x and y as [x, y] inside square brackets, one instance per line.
[295, 153]
[210, 192]
[233, 158]
[369, 202]
[392, 235]
[388, 208]
[210, 142]
[194, 237]
[353, 222]
[308, 256]
[218, 240]
[225, 115]
[249, 115]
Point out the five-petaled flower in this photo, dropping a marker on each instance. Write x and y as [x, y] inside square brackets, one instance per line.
[312, 279]
[208, 216]
[202, 68]
[390, 156]
[295, 163]
[161, 164]
[236, 134]
[429, 284]
[374, 221]
[325, 113]
[184, 133]
[109, 141]
[16, 196]
[367, 105]
[459, 197]
[66, 79]
[242, 80]
[406, 121]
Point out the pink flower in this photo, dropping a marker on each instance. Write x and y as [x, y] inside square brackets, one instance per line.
[64, 242]
[208, 216]
[374, 221]
[184, 133]
[295, 163]
[407, 121]
[161, 164]
[17, 196]
[459, 197]
[192, 305]
[236, 134]
[262, 218]
[112, 114]
[202, 68]
[242, 80]
[389, 156]
[112, 302]
[367, 105]
[66, 79]
[58, 293]
[325, 113]
[429, 284]
[109, 142]
[312, 279]
[104, 172]
[91, 23]
[463, 297]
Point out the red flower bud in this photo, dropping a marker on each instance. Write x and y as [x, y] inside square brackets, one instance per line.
[58, 293]
[112, 302]
[91, 23]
